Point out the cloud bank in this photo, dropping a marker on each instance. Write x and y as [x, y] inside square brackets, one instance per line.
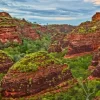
[51, 11]
[96, 2]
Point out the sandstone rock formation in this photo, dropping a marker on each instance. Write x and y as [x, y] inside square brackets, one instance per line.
[12, 29]
[96, 64]
[83, 43]
[8, 34]
[38, 78]
[5, 62]
[28, 31]
[4, 14]
[17, 84]
[96, 17]
[58, 33]
[84, 38]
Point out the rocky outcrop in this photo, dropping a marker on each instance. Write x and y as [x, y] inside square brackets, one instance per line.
[28, 31]
[4, 14]
[84, 38]
[96, 59]
[34, 73]
[5, 62]
[83, 43]
[17, 28]
[9, 34]
[17, 84]
[96, 17]
[96, 71]
[58, 32]
[96, 64]
[12, 29]
[8, 30]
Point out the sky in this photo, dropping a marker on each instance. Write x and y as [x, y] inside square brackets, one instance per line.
[52, 11]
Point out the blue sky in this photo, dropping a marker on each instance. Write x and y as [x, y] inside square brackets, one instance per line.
[52, 11]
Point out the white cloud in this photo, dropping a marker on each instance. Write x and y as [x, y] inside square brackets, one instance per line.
[61, 18]
[96, 2]
[51, 10]
[4, 9]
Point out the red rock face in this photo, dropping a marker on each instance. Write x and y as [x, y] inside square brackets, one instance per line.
[96, 72]
[17, 84]
[79, 43]
[96, 59]
[96, 17]
[30, 32]
[11, 29]
[8, 34]
[5, 62]
[96, 64]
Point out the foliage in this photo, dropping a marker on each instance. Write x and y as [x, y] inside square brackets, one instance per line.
[82, 30]
[3, 56]
[87, 27]
[1, 76]
[28, 46]
[82, 91]
[32, 62]
[36, 57]
[79, 65]
[59, 55]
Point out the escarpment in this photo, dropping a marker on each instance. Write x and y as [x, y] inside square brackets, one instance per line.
[84, 38]
[12, 30]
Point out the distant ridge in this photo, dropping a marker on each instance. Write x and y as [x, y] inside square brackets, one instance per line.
[4, 14]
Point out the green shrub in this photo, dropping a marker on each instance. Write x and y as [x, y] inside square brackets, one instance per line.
[82, 30]
[79, 65]
[31, 62]
[28, 46]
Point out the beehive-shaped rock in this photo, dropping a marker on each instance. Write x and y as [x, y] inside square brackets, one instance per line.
[34, 73]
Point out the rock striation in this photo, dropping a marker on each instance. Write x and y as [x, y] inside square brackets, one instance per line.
[96, 17]
[96, 64]
[83, 43]
[12, 29]
[84, 38]
[40, 73]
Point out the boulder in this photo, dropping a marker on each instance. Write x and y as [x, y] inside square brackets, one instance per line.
[33, 74]
[96, 64]
[96, 72]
